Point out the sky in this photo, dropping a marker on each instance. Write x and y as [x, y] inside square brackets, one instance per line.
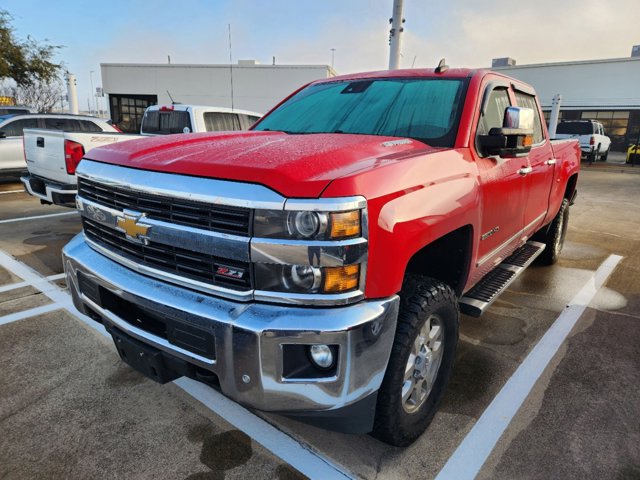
[467, 33]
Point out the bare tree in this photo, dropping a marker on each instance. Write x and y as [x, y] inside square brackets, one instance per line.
[40, 95]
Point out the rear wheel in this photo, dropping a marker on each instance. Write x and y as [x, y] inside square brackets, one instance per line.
[553, 236]
[421, 361]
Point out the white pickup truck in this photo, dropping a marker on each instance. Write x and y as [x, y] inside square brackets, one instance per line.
[594, 143]
[179, 118]
[52, 157]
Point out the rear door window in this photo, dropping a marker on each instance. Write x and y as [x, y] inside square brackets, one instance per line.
[64, 124]
[221, 122]
[529, 101]
[247, 121]
[15, 128]
[166, 122]
[88, 126]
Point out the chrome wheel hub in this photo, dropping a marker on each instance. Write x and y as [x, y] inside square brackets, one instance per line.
[423, 364]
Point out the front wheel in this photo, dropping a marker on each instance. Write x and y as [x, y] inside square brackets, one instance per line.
[421, 361]
[553, 236]
[605, 155]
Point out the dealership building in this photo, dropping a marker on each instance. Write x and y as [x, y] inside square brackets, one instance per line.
[131, 88]
[604, 90]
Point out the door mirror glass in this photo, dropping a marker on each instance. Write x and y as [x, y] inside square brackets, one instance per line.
[515, 137]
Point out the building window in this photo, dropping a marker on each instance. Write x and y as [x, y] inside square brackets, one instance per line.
[127, 110]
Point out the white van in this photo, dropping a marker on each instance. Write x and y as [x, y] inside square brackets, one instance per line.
[178, 118]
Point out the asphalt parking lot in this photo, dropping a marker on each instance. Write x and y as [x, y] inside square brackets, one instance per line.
[545, 384]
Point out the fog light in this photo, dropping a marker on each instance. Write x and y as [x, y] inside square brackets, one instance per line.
[321, 355]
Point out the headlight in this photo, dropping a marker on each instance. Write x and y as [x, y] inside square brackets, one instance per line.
[311, 251]
[307, 225]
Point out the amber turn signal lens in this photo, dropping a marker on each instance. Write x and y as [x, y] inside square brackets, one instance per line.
[527, 141]
[341, 279]
[346, 224]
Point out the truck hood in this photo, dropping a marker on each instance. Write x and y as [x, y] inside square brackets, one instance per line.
[293, 165]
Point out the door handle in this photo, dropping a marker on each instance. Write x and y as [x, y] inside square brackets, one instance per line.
[551, 161]
[525, 171]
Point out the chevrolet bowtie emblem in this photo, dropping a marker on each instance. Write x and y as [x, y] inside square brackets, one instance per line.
[129, 224]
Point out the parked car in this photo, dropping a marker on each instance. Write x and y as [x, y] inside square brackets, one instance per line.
[12, 161]
[10, 110]
[179, 118]
[594, 143]
[316, 264]
[52, 157]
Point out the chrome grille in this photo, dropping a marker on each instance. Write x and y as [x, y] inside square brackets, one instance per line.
[224, 219]
[172, 259]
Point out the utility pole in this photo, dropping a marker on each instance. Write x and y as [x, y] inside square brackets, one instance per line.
[395, 34]
[333, 57]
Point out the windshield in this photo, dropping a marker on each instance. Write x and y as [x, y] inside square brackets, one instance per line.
[575, 128]
[427, 110]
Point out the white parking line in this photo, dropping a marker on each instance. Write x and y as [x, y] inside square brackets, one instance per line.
[32, 312]
[15, 286]
[37, 217]
[471, 454]
[12, 191]
[295, 453]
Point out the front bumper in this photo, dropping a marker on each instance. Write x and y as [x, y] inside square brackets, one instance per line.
[249, 338]
[49, 191]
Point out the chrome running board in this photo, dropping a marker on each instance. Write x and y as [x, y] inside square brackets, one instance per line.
[484, 293]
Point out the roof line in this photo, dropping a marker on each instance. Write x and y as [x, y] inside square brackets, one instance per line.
[572, 62]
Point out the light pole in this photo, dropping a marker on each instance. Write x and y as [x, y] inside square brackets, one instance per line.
[333, 57]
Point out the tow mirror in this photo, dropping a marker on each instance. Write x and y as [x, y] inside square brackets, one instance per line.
[515, 137]
[3, 134]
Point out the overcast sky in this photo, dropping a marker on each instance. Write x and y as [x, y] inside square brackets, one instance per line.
[468, 33]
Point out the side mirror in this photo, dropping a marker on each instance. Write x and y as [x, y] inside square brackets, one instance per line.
[515, 137]
[3, 134]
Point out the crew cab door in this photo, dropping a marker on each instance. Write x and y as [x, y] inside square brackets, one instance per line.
[502, 185]
[541, 165]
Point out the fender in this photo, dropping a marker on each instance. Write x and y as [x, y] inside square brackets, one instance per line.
[416, 213]
[567, 153]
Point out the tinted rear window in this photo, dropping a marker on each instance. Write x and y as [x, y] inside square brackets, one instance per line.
[15, 111]
[575, 128]
[165, 123]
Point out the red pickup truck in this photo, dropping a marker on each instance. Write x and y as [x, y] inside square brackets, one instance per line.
[317, 264]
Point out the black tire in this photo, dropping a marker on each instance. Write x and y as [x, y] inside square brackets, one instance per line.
[422, 299]
[605, 155]
[553, 236]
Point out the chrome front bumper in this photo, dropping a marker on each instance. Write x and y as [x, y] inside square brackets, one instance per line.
[249, 337]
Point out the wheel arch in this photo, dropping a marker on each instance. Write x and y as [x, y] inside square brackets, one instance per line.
[447, 258]
[571, 189]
